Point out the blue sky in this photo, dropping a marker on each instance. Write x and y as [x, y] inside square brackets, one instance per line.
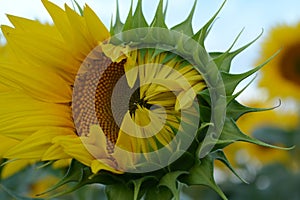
[253, 15]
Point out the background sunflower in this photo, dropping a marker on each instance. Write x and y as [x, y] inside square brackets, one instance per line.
[282, 78]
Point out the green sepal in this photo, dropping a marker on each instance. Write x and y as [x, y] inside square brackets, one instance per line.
[166, 9]
[129, 19]
[74, 174]
[220, 155]
[183, 163]
[46, 164]
[229, 99]
[169, 57]
[159, 17]
[201, 35]
[118, 26]
[170, 180]
[80, 175]
[231, 133]
[119, 191]
[279, 136]
[235, 110]
[202, 173]
[6, 161]
[223, 60]
[186, 26]
[137, 183]
[231, 81]
[156, 193]
[78, 7]
[139, 20]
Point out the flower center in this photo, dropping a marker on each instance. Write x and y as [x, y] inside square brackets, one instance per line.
[103, 95]
[136, 101]
[142, 118]
[92, 99]
[290, 64]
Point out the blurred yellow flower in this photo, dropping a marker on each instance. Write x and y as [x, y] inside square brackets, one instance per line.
[282, 76]
[41, 185]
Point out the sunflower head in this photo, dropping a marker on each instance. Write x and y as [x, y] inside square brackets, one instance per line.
[142, 108]
[284, 68]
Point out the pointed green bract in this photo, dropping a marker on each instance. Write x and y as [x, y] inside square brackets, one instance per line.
[118, 191]
[202, 174]
[158, 193]
[201, 35]
[138, 17]
[78, 7]
[159, 18]
[186, 26]
[170, 181]
[220, 155]
[223, 60]
[236, 110]
[118, 26]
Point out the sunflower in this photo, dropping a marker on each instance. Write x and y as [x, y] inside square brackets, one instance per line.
[141, 108]
[284, 68]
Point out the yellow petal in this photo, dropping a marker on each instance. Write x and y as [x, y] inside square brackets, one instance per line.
[55, 152]
[95, 26]
[37, 144]
[82, 38]
[41, 84]
[115, 53]
[72, 145]
[60, 20]
[97, 166]
[22, 115]
[6, 144]
[34, 27]
[61, 163]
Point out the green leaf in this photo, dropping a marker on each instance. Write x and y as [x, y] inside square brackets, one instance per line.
[157, 193]
[119, 191]
[186, 26]
[74, 174]
[170, 181]
[219, 155]
[202, 174]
